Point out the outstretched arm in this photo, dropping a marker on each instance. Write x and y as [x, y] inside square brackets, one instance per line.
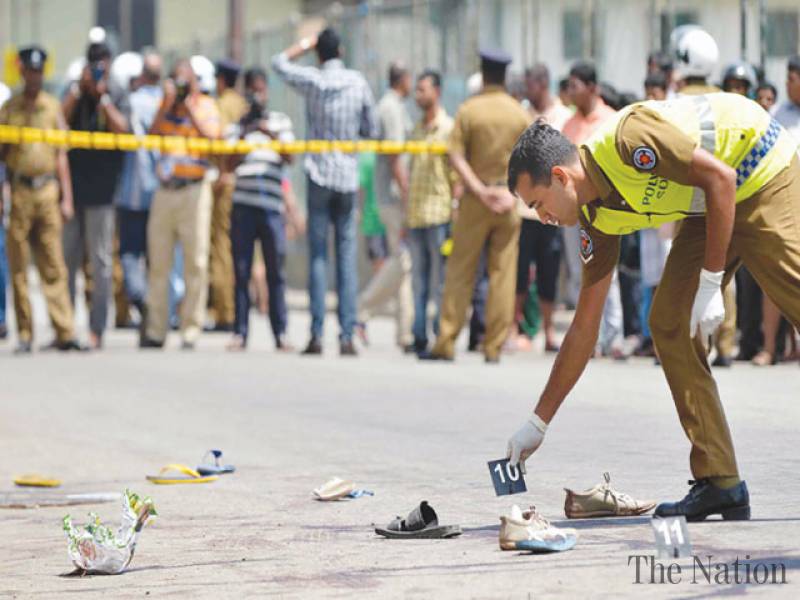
[577, 348]
[570, 363]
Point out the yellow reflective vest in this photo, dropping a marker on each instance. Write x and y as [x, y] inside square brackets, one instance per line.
[734, 129]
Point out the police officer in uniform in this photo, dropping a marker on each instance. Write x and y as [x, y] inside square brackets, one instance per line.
[41, 195]
[723, 166]
[485, 129]
[232, 107]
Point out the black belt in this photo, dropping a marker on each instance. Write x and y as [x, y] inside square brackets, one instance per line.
[179, 183]
[36, 182]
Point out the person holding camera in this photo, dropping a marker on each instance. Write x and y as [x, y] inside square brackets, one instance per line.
[181, 209]
[92, 104]
[260, 210]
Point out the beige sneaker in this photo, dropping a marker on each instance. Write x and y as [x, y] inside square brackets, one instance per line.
[530, 531]
[603, 501]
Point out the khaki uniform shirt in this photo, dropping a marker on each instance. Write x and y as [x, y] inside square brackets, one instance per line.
[36, 158]
[698, 89]
[673, 150]
[486, 128]
[232, 107]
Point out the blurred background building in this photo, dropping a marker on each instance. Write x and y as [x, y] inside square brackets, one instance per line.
[443, 34]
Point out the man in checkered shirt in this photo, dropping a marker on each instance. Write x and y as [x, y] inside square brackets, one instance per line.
[339, 106]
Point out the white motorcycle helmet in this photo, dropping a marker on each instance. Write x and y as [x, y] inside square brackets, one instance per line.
[695, 51]
[126, 67]
[205, 72]
[742, 71]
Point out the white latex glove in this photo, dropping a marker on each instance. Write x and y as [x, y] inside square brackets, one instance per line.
[708, 310]
[525, 442]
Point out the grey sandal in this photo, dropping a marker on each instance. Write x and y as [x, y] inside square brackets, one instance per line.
[421, 523]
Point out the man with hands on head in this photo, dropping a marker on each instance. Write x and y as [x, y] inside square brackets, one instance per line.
[339, 106]
[723, 166]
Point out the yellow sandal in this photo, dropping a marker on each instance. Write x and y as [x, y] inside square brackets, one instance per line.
[191, 476]
[35, 480]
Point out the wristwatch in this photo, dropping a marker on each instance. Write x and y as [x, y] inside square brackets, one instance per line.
[305, 43]
[105, 100]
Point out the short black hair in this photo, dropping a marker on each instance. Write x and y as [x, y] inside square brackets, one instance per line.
[396, 73]
[657, 79]
[254, 73]
[538, 72]
[610, 95]
[97, 52]
[662, 60]
[626, 99]
[539, 149]
[768, 86]
[493, 73]
[328, 43]
[584, 71]
[229, 77]
[563, 84]
[434, 76]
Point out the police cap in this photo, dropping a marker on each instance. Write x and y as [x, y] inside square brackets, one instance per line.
[33, 57]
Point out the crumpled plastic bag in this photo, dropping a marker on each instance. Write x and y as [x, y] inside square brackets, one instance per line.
[96, 549]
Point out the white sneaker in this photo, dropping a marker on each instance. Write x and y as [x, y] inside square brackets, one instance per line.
[531, 532]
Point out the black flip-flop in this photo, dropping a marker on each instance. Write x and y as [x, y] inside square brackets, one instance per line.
[216, 468]
[421, 523]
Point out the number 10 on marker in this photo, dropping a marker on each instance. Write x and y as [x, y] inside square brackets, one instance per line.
[506, 478]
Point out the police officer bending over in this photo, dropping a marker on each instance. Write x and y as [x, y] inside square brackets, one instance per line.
[723, 166]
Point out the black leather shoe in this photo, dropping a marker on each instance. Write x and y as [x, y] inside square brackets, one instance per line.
[70, 346]
[314, 348]
[722, 361]
[3, 332]
[147, 342]
[428, 355]
[705, 499]
[491, 360]
[347, 348]
[219, 328]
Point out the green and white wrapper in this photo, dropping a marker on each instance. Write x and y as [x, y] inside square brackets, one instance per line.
[95, 548]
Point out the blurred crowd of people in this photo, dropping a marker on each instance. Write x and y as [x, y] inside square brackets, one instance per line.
[190, 241]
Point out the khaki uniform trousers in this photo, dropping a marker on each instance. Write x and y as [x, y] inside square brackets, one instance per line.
[178, 215]
[766, 238]
[35, 222]
[475, 227]
[220, 266]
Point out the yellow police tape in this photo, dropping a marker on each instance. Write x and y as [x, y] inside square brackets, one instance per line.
[96, 140]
